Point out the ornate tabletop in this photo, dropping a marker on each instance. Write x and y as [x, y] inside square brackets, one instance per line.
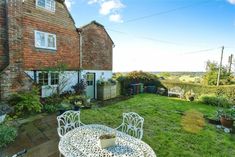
[84, 142]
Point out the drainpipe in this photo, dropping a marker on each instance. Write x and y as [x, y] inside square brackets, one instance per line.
[80, 35]
[80, 49]
[7, 35]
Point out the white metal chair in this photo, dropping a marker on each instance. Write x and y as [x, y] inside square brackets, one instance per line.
[67, 121]
[132, 124]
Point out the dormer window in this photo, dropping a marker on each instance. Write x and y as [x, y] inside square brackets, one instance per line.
[46, 4]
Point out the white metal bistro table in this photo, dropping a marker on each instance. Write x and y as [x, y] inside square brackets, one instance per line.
[84, 142]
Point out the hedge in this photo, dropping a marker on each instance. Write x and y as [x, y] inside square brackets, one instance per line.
[226, 90]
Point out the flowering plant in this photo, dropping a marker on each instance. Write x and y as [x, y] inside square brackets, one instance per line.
[80, 87]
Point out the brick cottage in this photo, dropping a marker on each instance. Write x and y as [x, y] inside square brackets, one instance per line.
[41, 34]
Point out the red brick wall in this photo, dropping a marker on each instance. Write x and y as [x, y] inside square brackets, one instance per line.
[97, 48]
[23, 19]
[3, 33]
[59, 23]
[13, 78]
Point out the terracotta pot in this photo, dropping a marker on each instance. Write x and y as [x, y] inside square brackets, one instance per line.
[228, 123]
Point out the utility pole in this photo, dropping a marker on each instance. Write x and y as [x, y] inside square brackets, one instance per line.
[230, 62]
[221, 59]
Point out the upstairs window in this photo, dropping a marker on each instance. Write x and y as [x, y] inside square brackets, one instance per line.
[46, 4]
[45, 40]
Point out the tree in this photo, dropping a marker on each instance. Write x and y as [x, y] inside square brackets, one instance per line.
[210, 78]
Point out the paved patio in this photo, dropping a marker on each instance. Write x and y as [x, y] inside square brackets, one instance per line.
[39, 136]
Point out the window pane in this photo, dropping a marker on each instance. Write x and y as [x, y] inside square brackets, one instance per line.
[50, 4]
[41, 3]
[51, 41]
[43, 78]
[54, 78]
[89, 77]
[40, 39]
[90, 83]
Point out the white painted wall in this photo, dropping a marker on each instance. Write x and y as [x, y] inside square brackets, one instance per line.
[70, 78]
[105, 74]
[99, 74]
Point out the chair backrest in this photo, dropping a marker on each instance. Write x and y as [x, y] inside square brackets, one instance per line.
[133, 124]
[68, 121]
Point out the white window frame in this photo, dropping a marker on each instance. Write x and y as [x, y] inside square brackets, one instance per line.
[46, 40]
[46, 7]
[51, 73]
[38, 80]
[49, 79]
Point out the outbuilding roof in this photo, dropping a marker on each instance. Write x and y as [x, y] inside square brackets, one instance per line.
[95, 23]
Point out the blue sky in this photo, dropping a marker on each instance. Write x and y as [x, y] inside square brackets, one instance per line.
[162, 35]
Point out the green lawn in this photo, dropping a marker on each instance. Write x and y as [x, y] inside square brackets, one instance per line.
[162, 126]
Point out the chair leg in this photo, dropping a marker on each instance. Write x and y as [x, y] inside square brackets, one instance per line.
[60, 155]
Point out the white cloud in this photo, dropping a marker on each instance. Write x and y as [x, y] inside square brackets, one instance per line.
[109, 8]
[116, 18]
[92, 1]
[231, 1]
[69, 3]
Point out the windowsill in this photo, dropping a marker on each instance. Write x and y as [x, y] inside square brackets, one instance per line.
[49, 86]
[46, 50]
[44, 9]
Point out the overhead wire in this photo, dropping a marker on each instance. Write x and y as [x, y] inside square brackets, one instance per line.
[200, 51]
[165, 41]
[166, 12]
[156, 14]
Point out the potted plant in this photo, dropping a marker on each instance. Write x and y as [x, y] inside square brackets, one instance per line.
[107, 140]
[227, 117]
[77, 105]
[76, 101]
[190, 95]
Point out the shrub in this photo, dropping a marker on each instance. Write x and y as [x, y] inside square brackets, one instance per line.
[7, 134]
[148, 79]
[49, 108]
[80, 87]
[227, 90]
[26, 102]
[215, 100]
[52, 100]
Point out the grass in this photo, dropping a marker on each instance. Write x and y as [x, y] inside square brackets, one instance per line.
[162, 127]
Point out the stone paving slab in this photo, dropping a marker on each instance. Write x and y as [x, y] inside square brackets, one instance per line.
[39, 136]
[46, 149]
